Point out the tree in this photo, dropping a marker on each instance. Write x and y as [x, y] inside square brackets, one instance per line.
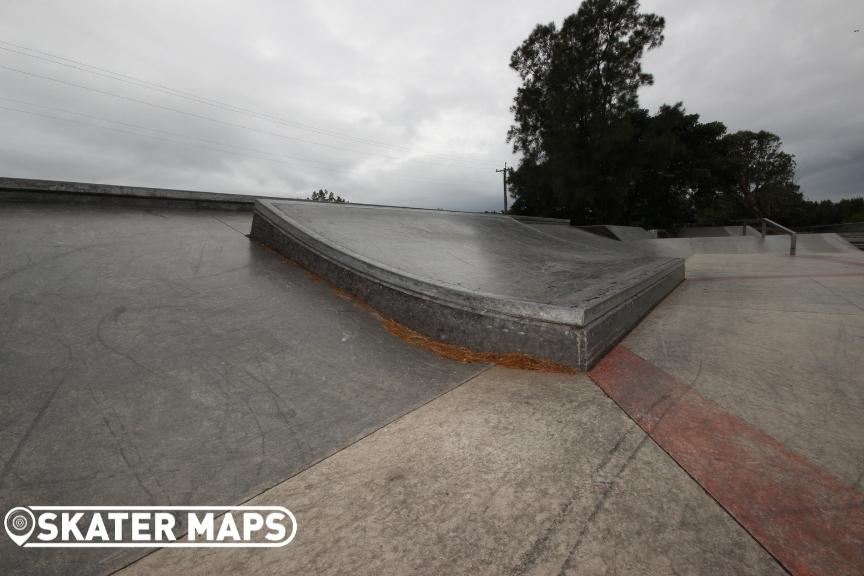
[572, 124]
[763, 176]
[591, 154]
[676, 162]
[326, 196]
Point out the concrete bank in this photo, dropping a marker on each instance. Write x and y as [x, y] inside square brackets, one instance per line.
[483, 281]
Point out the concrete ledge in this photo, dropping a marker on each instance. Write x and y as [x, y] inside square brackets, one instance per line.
[579, 309]
[54, 191]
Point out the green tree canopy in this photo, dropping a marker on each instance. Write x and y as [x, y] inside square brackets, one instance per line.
[571, 126]
[323, 195]
[591, 154]
[677, 161]
[764, 174]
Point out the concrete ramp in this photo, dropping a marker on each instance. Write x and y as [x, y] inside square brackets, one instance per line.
[622, 233]
[826, 243]
[706, 232]
[483, 281]
[684, 247]
[561, 227]
[562, 230]
[739, 231]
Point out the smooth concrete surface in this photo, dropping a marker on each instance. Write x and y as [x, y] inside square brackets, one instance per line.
[484, 281]
[775, 340]
[752, 244]
[156, 357]
[510, 473]
[740, 231]
[581, 235]
[807, 518]
[852, 232]
[717, 231]
[705, 232]
[622, 233]
[30, 191]
[540, 220]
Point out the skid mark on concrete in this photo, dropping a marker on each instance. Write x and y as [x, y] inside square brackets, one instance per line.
[806, 518]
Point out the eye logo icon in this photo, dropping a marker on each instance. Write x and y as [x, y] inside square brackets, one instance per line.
[19, 523]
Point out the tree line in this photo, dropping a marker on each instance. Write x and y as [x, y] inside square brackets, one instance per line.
[590, 153]
[324, 195]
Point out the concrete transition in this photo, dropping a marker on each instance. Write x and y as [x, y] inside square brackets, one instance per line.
[853, 232]
[561, 227]
[483, 281]
[598, 236]
[707, 232]
[622, 233]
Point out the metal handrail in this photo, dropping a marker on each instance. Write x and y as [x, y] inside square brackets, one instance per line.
[765, 222]
[792, 233]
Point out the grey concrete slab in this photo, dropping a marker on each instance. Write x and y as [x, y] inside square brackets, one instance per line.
[511, 473]
[156, 357]
[776, 341]
[827, 242]
[771, 264]
[540, 220]
[629, 233]
[622, 233]
[705, 232]
[30, 191]
[852, 232]
[741, 231]
[684, 247]
[479, 280]
[582, 236]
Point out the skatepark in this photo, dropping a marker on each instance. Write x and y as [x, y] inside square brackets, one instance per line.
[429, 391]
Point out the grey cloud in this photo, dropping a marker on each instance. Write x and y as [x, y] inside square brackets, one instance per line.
[424, 77]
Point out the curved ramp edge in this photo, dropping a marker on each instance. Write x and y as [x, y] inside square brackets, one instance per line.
[481, 281]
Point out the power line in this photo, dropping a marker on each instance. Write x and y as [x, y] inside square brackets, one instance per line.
[217, 146]
[150, 129]
[120, 77]
[196, 115]
[197, 139]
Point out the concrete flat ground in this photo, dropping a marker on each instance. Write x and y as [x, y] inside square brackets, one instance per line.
[511, 473]
[161, 357]
[761, 356]
[777, 341]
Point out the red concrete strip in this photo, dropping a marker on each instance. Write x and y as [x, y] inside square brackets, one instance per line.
[806, 518]
[774, 276]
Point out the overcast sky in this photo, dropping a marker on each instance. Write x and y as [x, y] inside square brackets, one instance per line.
[386, 101]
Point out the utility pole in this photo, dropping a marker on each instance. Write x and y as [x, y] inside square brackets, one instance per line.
[505, 185]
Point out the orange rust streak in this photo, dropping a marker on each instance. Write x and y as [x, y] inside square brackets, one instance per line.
[450, 351]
